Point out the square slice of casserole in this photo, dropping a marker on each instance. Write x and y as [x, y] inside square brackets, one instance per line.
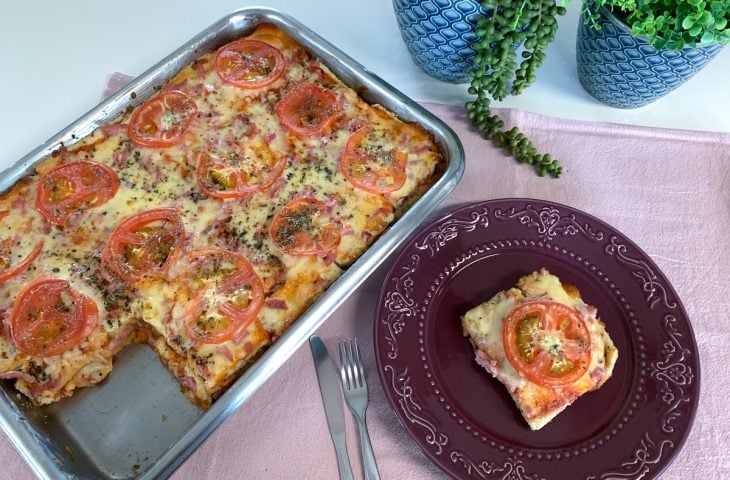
[543, 342]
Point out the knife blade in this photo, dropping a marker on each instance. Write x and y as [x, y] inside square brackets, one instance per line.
[329, 387]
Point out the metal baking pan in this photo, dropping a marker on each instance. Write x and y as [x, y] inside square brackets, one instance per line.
[137, 424]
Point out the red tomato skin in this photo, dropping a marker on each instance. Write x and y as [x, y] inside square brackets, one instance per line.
[307, 100]
[169, 102]
[257, 50]
[82, 324]
[242, 190]
[241, 319]
[350, 155]
[111, 259]
[103, 187]
[535, 371]
[301, 246]
[24, 264]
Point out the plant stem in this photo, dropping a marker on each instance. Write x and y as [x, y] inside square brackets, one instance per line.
[531, 25]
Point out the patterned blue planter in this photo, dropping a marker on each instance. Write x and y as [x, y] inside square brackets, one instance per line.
[439, 34]
[626, 72]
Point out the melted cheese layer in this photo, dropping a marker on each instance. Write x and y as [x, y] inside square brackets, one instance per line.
[228, 118]
[538, 404]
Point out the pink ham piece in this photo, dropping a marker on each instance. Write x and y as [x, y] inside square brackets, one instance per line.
[225, 353]
[276, 303]
[346, 230]
[354, 124]
[112, 129]
[16, 375]
[122, 338]
[52, 385]
[19, 204]
[330, 202]
[422, 148]
[187, 382]
[6, 324]
[278, 186]
[119, 159]
[328, 257]
[597, 374]
[180, 87]
[484, 361]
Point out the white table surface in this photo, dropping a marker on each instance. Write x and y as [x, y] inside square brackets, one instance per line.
[54, 58]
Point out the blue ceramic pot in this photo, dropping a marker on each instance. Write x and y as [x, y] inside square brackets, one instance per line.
[439, 34]
[625, 71]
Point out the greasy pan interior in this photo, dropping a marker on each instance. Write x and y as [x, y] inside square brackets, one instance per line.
[137, 424]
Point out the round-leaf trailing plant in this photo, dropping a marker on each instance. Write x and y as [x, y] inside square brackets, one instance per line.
[671, 24]
[528, 26]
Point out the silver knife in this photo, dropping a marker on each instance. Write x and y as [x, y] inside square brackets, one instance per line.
[329, 387]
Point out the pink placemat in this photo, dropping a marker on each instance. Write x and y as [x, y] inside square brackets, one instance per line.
[667, 190]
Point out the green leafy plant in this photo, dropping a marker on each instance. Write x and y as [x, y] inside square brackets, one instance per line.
[509, 28]
[669, 23]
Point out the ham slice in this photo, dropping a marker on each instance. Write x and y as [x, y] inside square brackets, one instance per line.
[225, 353]
[122, 338]
[16, 375]
[112, 129]
[188, 382]
[276, 303]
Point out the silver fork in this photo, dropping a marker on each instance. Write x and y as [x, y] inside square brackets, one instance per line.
[355, 389]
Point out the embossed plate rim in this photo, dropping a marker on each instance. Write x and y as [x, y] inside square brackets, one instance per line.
[646, 457]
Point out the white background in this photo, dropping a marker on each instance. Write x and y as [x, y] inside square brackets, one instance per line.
[55, 56]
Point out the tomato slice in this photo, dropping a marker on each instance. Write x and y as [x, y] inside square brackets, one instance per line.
[370, 165]
[72, 188]
[49, 317]
[228, 295]
[7, 269]
[145, 244]
[307, 109]
[301, 228]
[162, 120]
[236, 173]
[249, 64]
[547, 342]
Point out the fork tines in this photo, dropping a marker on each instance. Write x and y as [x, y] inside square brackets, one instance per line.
[351, 366]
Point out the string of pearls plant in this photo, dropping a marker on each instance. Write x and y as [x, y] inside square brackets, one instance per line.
[529, 26]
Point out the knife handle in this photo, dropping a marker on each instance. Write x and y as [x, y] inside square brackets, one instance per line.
[343, 461]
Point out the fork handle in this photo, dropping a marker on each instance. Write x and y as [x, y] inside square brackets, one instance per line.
[368, 458]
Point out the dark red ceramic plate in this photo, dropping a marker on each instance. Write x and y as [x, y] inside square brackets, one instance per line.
[463, 419]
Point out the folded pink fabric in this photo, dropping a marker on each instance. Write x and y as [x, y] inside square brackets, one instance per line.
[667, 190]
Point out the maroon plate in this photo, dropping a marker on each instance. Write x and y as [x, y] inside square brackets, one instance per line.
[463, 419]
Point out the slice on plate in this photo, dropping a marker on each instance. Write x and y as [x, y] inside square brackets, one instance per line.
[543, 342]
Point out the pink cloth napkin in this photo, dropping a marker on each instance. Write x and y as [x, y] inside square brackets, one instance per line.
[667, 190]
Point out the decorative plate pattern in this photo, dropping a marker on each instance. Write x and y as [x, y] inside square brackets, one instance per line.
[625, 71]
[463, 419]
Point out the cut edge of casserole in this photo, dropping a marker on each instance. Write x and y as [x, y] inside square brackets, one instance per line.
[152, 178]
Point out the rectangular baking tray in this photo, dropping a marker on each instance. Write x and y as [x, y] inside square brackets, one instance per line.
[137, 424]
